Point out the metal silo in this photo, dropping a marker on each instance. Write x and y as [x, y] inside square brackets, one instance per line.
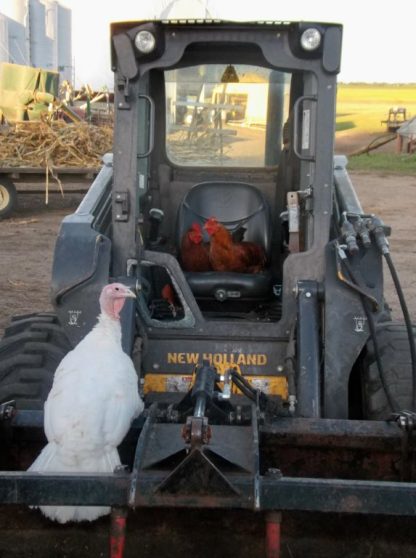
[64, 40]
[4, 40]
[41, 46]
[14, 38]
[36, 33]
[51, 31]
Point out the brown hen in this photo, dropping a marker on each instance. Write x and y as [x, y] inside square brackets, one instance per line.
[194, 252]
[227, 255]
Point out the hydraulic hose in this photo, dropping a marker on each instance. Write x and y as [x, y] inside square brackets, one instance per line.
[254, 394]
[244, 386]
[376, 226]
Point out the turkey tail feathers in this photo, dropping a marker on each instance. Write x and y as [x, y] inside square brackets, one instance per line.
[51, 460]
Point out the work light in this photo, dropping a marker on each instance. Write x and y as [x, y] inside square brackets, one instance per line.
[145, 41]
[310, 39]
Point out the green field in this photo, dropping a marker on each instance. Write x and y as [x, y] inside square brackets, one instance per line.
[362, 107]
[360, 111]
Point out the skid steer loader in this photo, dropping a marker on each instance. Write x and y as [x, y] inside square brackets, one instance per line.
[286, 389]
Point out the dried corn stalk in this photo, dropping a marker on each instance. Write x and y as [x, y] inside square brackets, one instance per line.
[54, 145]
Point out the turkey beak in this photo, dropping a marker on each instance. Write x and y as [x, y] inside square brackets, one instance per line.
[129, 294]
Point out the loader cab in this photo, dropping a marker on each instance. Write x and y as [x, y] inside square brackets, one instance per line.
[227, 120]
[234, 121]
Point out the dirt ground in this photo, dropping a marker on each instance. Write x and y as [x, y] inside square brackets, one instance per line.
[27, 241]
[26, 252]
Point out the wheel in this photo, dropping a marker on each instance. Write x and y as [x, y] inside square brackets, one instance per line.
[30, 351]
[8, 197]
[395, 356]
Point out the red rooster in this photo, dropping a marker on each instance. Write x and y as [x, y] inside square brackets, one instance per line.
[194, 252]
[227, 255]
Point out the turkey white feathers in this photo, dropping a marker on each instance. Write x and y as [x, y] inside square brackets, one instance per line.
[94, 398]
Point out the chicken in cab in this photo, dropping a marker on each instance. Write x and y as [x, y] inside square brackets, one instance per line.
[194, 252]
[227, 255]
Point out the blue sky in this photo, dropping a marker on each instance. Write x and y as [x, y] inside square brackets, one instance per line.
[378, 44]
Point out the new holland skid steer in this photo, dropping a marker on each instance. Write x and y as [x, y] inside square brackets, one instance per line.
[287, 389]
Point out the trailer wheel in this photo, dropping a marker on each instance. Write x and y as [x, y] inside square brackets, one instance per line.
[395, 355]
[30, 351]
[8, 197]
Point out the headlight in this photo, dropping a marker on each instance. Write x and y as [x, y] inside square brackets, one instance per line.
[145, 42]
[310, 39]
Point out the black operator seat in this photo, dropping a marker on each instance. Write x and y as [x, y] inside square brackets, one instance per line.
[233, 204]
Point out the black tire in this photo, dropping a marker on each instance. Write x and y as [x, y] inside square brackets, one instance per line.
[30, 351]
[394, 349]
[8, 197]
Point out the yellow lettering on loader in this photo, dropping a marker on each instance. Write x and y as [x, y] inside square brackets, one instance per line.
[172, 358]
[241, 360]
[261, 360]
[252, 360]
[192, 358]
[218, 359]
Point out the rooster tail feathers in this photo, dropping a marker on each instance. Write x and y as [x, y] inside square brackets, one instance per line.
[51, 460]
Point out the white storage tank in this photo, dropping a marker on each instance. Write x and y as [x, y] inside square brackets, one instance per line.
[37, 33]
[4, 40]
[64, 43]
[41, 46]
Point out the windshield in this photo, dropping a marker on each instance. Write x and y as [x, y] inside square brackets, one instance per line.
[216, 114]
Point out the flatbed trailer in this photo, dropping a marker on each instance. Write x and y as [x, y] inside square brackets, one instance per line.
[38, 180]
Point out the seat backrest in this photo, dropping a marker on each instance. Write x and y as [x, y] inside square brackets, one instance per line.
[233, 204]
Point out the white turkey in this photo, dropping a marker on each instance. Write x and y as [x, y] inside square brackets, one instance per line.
[94, 398]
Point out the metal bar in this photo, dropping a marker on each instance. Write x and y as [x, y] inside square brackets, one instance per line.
[200, 405]
[339, 496]
[303, 494]
[140, 449]
[308, 370]
[64, 489]
[356, 434]
[360, 434]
